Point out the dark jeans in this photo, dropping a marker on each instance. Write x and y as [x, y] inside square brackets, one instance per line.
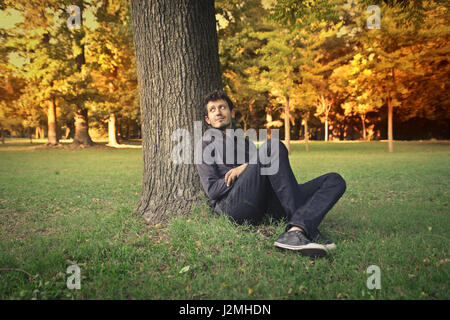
[255, 196]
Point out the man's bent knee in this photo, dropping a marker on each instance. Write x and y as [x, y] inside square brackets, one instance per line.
[274, 145]
[338, 180]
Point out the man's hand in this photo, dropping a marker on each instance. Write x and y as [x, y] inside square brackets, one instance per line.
[234, 173]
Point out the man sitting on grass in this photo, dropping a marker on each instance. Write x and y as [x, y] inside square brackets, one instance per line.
[240, 191]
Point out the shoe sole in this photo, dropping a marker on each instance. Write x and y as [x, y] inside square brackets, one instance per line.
[310, 250]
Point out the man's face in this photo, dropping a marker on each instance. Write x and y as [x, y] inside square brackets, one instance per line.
[219, 114]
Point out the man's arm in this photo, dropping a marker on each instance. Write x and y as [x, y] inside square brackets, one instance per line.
[214, 185]
[234, 173]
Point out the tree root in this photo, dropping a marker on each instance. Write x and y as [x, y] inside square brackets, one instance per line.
[20, 270]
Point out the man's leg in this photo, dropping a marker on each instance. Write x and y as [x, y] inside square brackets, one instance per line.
[318, 196]
[283, 183]
[306, 204]
[276, 211]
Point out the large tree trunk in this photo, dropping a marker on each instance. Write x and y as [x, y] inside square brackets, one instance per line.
[52, 125]
[177, 64]
[287, 126]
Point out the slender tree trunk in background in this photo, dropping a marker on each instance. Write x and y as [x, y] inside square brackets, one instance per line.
[390, 117]
[112, 121]
[177, 64]
[268, 120]
[52, 125]
[287, 126]
[118, 134]
[112, 130]
[306, 133]
[326, 128]
[2, 135]
[390, 126]
[363, 120]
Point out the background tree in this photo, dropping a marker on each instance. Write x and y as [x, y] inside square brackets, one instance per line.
[238, 20]
[402, 30]
[80, 79]
[41, 45]
[278, 78]
[114, 73]
[359, 85]
[323, 107]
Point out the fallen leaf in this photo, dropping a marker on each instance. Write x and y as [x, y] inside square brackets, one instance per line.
[185, 269]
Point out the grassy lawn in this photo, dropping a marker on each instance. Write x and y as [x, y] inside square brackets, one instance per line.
[62, 206]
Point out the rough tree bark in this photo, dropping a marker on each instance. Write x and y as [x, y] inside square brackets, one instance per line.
[177, 64]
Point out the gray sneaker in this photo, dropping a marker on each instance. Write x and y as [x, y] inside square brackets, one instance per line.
[296, 240]
[321, 239]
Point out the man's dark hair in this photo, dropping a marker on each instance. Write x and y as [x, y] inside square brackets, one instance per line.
[214, 96]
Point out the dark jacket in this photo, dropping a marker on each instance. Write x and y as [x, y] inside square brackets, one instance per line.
[216, 147]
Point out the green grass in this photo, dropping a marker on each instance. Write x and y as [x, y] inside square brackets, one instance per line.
[61, 206]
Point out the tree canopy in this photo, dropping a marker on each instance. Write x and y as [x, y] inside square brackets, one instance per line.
[340, 69]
